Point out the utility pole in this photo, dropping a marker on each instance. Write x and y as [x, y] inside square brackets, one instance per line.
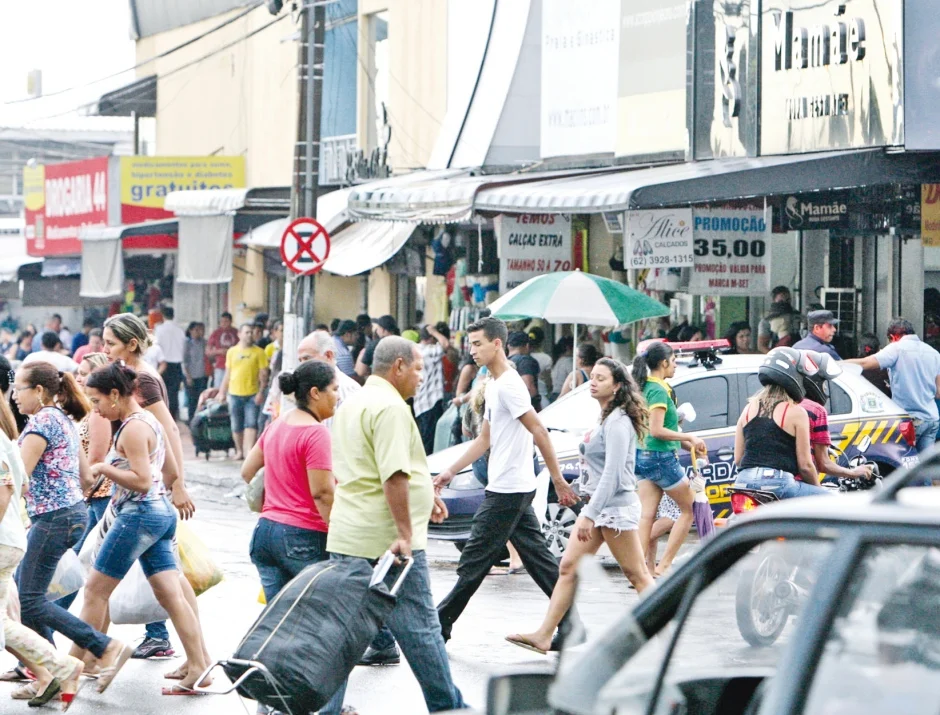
[299, 293]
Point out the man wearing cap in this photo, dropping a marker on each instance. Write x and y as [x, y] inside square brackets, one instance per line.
[381, 327]
[822, 326]
[344, 338]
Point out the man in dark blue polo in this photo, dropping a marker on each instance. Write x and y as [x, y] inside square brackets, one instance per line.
[822, 329]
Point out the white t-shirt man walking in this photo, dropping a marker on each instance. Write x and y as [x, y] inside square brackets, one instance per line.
[510, 428]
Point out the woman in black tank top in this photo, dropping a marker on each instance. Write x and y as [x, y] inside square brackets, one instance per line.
[771, 446]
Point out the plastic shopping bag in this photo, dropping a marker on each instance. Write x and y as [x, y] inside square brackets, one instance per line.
[196, 562]
[69, 576]
[133, 600]
[254, 493]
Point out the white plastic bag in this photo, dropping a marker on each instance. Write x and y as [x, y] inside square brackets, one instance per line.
[133, 600]
[69, 576]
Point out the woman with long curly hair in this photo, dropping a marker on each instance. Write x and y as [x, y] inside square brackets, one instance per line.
[608, 486]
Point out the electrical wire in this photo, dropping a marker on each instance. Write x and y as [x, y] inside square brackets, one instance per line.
[165, 53]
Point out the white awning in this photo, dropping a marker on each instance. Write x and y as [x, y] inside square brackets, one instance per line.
[692, 182]
[102, 266]
[365, 245]
[331, 212]
[437, 196]
[205, 249]
[112, 233]
[10, 265]
[205, 202]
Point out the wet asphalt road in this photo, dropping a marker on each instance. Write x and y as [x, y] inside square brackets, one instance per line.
[503, 605]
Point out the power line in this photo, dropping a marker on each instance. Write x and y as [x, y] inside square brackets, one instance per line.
[165, 53]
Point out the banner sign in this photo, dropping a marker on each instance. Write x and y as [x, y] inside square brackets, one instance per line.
[60, 199]
[732, 252]
[146, 180]
[930, 214]
[660, 238]
[530, 245]
[580, 54]
[817, 211]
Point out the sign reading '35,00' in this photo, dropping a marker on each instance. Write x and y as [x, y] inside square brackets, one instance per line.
[732, 252]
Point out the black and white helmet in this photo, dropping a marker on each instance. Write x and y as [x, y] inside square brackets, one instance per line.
[782, 367]
[817, 370]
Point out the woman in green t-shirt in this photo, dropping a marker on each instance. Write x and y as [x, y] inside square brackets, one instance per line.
[657, 460]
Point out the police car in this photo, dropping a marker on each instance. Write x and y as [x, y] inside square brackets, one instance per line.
[861, 420]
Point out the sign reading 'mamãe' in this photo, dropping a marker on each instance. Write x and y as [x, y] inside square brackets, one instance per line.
[818, 45]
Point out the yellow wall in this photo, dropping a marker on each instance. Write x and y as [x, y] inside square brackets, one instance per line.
[335, 297]
[382, 293]
[417, 88]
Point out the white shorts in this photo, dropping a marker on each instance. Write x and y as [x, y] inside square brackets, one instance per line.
[621, 518]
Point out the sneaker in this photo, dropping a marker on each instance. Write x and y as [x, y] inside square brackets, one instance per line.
[154, 648]
[386, 656]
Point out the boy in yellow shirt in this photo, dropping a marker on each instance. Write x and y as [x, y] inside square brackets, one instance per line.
[246, 376]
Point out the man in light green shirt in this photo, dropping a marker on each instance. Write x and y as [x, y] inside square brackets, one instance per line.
[384, 499]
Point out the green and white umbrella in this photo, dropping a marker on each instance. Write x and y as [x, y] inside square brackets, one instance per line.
[576, 297]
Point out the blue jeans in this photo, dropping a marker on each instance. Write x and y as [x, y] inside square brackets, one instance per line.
[243, 412]
[661, 468]
[143, 531]
[96, 509]
[280, 552]
[415, 624]
[783, 485]
[926, 432]
[50, 536]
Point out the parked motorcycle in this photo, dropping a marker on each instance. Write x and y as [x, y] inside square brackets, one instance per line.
[775, 587]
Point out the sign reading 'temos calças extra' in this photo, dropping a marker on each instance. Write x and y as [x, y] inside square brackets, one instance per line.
[530, 245]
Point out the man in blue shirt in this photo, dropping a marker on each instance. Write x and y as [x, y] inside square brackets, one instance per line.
[822, 329]
[914, 369]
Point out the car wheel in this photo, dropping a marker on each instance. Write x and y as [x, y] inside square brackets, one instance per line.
[559, 521]
[760, 611]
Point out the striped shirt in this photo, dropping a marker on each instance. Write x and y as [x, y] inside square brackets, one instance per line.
[818, 422]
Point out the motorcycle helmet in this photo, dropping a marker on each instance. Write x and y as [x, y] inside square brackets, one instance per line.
[781, 367]
[817, 370]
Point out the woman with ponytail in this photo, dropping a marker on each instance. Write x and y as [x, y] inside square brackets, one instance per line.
[608, 486]
[296, 453]
[58, 473]
[657, 461]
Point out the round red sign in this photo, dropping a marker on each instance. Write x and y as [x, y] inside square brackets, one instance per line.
[305, 246]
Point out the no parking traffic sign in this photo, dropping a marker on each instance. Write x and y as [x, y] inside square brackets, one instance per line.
[305, 246]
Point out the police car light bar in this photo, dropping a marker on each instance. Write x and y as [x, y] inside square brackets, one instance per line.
[699, 346]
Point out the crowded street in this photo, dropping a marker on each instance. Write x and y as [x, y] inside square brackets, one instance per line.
[498, 357]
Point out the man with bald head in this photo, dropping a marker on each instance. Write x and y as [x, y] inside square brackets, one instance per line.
[383, 502]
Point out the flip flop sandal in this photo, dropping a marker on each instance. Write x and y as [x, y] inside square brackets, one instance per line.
[53, 689]
[19, 674]
[516, 571]
[524, 643]
[107, 675]
[181, 690]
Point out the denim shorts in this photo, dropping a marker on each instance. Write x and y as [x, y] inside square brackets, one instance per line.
[783, 484]
[143, 530]
[660, 468]
[243, 412]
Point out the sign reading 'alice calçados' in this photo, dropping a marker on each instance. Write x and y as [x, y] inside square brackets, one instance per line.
[659, 238]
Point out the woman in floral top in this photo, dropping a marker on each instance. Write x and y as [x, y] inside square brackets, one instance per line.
[53, 458]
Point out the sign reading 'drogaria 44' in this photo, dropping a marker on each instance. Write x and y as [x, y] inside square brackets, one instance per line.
[530, 245]
[659, 238]
[732, 252]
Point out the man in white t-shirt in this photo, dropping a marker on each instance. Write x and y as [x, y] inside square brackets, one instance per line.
[510, 429]
[50, 353]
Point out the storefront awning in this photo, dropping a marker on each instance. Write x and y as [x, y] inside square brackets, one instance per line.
[366, 244]
[704, 181]
[10, 266]
[444, 196]
[214, 202]
[102, 261]
[331, 212]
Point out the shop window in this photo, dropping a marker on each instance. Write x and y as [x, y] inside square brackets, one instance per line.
[709, 397]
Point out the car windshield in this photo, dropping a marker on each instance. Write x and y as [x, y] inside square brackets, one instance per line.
[743, 620]
[576, 412]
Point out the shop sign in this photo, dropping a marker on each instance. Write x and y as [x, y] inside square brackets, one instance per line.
[651, 94]
[580, 53]
[732, 252]
[530, 245]
[831, 75]
[930, 214]
[146, 180]
[723, 41]
[819, 211]
[60, 199]
[660, 238]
